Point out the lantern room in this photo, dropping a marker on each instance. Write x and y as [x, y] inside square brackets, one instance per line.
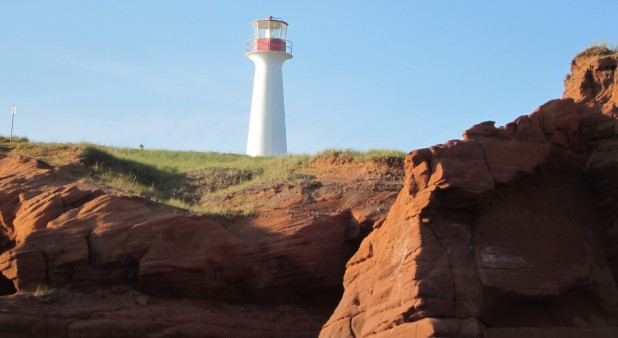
[269, 35]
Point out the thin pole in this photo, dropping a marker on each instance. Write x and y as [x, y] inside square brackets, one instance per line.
[12, 121]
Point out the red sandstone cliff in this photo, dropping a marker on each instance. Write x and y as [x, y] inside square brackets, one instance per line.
[79, 262]
[512, 232]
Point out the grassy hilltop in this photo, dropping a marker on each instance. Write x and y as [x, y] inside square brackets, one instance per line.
[197, 181]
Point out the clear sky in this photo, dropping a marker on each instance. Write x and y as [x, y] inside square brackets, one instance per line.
[365, 74]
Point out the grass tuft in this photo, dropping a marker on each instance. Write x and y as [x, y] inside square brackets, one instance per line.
[16, 139]
[600, 49]
[127, 173]
[354, 156]
[47, 294]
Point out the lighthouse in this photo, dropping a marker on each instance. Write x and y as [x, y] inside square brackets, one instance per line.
[268, 50]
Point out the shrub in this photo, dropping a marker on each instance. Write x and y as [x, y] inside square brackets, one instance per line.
[16, 139]
[601, 49]
[351, 155]
[47, 294]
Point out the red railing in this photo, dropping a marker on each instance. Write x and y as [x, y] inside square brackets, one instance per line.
[266, 44]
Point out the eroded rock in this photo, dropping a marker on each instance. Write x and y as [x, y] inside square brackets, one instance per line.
[513, 227]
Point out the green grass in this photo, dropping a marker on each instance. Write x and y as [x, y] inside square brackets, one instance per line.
[127, 173]
[16, 139]
[161, 175]
[166, 176]
[153, 166]
[158, 174]
[185, 161]
[48, 152]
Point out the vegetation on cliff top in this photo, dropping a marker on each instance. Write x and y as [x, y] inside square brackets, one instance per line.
[15, 139]
[601, 49]
[197, 181]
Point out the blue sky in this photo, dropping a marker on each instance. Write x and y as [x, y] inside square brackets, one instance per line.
[365, 74]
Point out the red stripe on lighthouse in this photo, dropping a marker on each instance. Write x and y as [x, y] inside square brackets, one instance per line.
[275, 45]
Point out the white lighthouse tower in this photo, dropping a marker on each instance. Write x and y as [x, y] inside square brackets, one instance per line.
[268, 50]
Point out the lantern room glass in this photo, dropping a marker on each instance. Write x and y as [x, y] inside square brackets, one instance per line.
[269, 29]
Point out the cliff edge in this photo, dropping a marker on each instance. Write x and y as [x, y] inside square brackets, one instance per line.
[79, 261]
[512, 232]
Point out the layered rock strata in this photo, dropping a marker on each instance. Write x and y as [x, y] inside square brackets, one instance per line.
[66, 245]
[511, 232]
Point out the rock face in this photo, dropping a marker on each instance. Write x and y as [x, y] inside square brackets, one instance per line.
[512, 232]
[77, 262]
